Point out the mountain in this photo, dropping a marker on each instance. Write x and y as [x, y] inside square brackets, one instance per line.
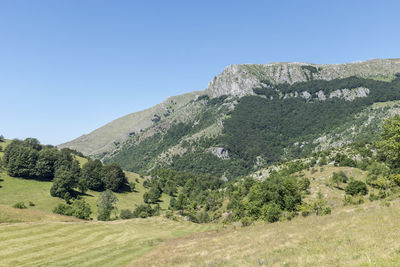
[252, 115]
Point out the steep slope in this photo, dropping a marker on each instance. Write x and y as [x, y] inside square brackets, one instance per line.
[252, 115]
[108, 137]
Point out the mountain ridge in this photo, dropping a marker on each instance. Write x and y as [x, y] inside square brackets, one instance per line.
[203, 114]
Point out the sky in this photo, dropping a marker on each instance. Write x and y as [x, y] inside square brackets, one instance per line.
[69, 67]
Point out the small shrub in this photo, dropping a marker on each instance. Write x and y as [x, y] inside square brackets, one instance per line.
[356, 187]
[304, 184]
[132, 186]
[350, 200]
[202, 217]
[372, 196]
[19, 205]
[271, 213]
[79, 209]
[305, 209]
[143, 211]
[326, 210]
[169, 214]
[126, 214]
[246, 221]
[31, 204]
[104, 215]
[63, 209]
[338, 178]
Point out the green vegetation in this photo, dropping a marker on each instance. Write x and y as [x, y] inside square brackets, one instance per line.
[261, 122]
[106, 203]
[79, 209]
[19, 205]
[356, 187]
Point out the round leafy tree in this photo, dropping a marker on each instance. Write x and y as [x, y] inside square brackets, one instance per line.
[356, 187]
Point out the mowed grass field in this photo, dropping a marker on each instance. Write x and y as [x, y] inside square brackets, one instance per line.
[366, 235]
[82, 243]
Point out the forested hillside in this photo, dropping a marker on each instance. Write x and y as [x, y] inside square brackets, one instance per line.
[279, 122]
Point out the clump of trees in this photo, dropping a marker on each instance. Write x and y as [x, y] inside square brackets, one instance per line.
[266, 200]
[31, 160]
[99, 177]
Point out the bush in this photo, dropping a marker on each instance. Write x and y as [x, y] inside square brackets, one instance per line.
[143, 211]
[304, 184]
[104, 215]
[326, 210]
[372, 196]
[132, 186]
[271, 213]
[202, 217]
[19, 205]
[305, 209]
[356, 187]
[339, 178]
[63, 209]
[79, 209]
[246, 221]
[125, 214]
[31, 204]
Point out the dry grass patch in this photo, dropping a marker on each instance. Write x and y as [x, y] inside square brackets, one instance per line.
[367, 235]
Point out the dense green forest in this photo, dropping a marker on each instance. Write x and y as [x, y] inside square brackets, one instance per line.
[270, 127]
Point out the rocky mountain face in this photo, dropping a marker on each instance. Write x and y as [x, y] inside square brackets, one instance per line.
[240, 80]
[202, 127]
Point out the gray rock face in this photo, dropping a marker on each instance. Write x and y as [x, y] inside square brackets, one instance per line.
[220, 152]
[321, 96]
[239, 80]
[350, 94]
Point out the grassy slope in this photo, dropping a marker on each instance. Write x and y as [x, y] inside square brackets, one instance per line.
[86, 243]
[364, 235]
[13, 190]
[319, 179]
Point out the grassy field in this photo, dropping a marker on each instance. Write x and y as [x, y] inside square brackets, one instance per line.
[87, 243]
[13, 190]
[366, 235]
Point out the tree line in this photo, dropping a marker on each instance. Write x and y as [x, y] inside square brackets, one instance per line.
[30, 160]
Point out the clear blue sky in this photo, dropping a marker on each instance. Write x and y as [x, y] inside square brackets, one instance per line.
[69, 67]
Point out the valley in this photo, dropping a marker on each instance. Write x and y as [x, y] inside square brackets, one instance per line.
[281, 164]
